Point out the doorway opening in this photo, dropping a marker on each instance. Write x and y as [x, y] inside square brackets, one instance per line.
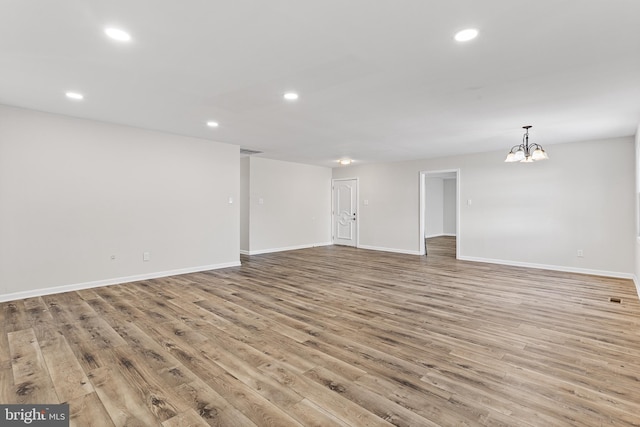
[440, 213]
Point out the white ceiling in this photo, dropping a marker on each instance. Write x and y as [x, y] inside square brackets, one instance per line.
[378, 80]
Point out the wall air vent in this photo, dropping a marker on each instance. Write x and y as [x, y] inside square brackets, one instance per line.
[247, 152]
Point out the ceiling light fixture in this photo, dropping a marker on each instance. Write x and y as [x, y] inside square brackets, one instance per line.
[345, 162]
[466, 35]
[526, 153]
[117, 34]
[75, 96]
[290, 96]
[212, 124]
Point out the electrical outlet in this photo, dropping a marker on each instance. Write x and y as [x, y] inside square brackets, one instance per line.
[580, 253]
[113, 257]
[146, 256]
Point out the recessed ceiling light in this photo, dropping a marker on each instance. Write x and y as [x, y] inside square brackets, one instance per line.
[466, 35]
[74, 95]
[345, 162]
[212, 124]
[117, 34]
[290, 96]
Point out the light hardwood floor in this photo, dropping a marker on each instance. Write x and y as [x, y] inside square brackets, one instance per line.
[441, 246]
[333, 336]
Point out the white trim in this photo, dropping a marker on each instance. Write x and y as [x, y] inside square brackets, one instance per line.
[397, 251]
[288, 248]
[422, 227]
[635, 282]
[422, 250]
[115, 281]
[551, 267]
[440, 235]
[458, 229]
[243, 252]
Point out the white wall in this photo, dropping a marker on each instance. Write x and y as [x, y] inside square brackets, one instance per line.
[449, 207]
[440, 206]
[637, 210]
[245, 203]
[290, 205]
[535, 214]
[434, 207]
[75, 192]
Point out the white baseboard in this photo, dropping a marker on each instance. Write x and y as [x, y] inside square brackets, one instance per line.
[604, 273]
[439, 235]
[397, 251]
[287, 248]
[243, 252]
[115, 281]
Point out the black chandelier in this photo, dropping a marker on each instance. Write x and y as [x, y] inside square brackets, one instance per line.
[526, 153]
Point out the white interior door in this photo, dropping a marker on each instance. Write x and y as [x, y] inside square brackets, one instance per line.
[345, 212]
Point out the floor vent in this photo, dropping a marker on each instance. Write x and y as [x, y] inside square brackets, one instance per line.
[614, 299]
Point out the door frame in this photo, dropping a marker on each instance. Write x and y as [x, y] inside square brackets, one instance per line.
[333, 201]
[423, 196]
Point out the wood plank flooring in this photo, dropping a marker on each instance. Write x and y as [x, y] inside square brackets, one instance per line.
[441, 246]
[333, 336]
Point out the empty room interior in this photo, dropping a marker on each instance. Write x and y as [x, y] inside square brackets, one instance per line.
[287, 213]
